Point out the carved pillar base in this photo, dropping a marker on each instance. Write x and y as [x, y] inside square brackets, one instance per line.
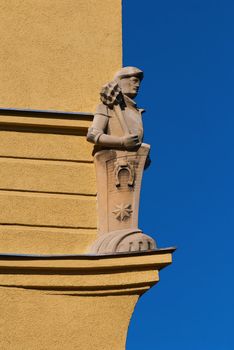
[73, 302]
[123, 241]
[119, 175]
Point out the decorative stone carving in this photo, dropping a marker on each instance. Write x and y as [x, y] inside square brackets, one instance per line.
[120, 165]
[122, 211]
[120, 158]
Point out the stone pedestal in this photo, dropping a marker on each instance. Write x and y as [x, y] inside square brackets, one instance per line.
[119, 175]
[73, 302]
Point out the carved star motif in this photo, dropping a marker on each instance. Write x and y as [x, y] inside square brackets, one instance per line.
[122, 211]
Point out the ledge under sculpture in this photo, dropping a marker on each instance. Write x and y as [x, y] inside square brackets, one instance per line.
[120, 158]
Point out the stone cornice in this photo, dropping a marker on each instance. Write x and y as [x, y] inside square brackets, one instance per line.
[45, 121]
[81, 274]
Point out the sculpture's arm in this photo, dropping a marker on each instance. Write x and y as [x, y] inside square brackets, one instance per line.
[96, 134]
[127, 142]
[97, 128]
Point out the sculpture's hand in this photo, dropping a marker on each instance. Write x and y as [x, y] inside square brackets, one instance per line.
[131, 141]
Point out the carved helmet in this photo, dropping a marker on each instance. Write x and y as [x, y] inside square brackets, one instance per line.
[127, 72]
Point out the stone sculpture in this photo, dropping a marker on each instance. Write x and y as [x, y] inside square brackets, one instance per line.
[120, 158]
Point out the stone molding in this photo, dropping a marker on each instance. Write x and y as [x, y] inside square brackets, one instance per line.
[84, 274]
[45, 121]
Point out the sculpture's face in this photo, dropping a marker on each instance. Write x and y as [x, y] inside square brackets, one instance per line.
[130, 86]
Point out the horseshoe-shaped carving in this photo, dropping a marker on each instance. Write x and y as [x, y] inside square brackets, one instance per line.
[124, 165]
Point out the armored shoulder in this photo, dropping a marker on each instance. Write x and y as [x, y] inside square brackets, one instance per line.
[99, 125]
[102, 109]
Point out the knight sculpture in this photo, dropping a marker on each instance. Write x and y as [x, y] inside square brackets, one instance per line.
[120, 158]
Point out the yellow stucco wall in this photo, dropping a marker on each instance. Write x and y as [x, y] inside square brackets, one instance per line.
[55, 54]
[78, 303]
[47, 183]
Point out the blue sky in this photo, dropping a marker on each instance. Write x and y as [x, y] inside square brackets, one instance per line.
[186, 49]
